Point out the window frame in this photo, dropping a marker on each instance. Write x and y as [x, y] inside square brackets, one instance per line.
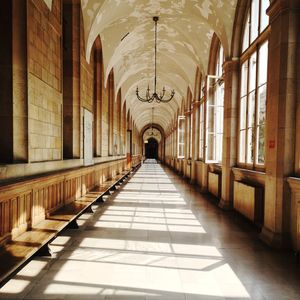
[202, 119]
[219, 81]
[253, 47]
[180, 131]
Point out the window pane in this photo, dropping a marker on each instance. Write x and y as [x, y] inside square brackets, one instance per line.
[210, 150]
[219, 144]
[191, 134]
[260, 144]
[263, 64]
[211, 119]
[243, 112]
[254, 20]
[220, 60]
[244, 76]
[242, 145]
[181, 150]
[264, 18]
[201, 131]
[246, 34]
[251, 109]
[261, 105]
[181, 132]
[252, 72]
[250, 146]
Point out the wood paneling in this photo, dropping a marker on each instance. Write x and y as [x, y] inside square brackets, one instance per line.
[25, 203]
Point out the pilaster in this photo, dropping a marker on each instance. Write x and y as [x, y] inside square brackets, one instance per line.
[229, 156]
[281, 119]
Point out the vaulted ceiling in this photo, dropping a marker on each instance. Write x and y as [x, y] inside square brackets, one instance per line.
[185, 30]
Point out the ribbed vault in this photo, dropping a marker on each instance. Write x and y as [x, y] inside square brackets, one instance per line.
[185, 30]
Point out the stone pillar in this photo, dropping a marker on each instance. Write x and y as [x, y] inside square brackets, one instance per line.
[13, 82]
[229, 155]
[281, 119]
[71, 79]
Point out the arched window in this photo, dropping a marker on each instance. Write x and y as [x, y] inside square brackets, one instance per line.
[181, 133]
[214, 111]
[253, 86]
[201, 117]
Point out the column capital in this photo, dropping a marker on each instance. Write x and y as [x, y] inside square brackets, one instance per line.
[277, 7]
[231, 65]
[187, 113]
[196, 104]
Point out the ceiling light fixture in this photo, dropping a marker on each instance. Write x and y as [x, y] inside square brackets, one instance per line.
[155, 97]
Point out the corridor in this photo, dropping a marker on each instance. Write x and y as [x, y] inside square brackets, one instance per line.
[157, 237]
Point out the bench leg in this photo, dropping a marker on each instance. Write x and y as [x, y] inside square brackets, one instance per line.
[73, 225]
[100, 200]
[89, 210]
[44, 251]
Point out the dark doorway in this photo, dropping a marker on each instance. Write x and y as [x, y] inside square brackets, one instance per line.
[151, 149]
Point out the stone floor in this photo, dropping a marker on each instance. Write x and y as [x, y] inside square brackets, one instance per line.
[158, 238]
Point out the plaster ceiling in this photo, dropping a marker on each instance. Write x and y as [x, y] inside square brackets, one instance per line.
[185, 29]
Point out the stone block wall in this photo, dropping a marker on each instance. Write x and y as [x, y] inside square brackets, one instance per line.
[44, 81]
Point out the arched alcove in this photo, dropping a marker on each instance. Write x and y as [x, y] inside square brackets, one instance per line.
[151, 148]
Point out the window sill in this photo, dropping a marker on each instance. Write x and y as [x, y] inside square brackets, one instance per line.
[249, 175]
[294, 183]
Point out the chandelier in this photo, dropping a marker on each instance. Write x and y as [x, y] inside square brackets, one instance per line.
[155, 97]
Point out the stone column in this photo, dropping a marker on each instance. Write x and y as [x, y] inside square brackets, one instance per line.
[71, 79]
[13, 82]
[281, 119]
[229, 155]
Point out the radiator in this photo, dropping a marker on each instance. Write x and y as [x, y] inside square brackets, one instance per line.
[248, 200]
[214, 184]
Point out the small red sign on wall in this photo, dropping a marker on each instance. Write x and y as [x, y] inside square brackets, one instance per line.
[272, 144]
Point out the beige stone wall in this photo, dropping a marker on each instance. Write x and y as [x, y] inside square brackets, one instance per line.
[44, 81]
[52, 84]
[45, 121]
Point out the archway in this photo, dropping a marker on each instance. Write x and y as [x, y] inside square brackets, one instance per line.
[151, 148]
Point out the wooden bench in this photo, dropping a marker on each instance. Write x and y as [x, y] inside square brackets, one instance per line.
[16, 253]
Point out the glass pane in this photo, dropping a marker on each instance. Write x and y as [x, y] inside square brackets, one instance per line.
[220, 94]
[246, 34]
[201, 131]
[264, 18]
[210, 149]
[252, 72]
[181, 137]
[220, 60]
[181, 150]
[254, 20]
[219, 120]
[260, 145]
[263, 64]
[202, 88]
[244, 77]
[218, 147]
[191, 134]
[251, 109]
[243, 112]
[250, 146]
[242, 145]
[211, 119]
[261, 104]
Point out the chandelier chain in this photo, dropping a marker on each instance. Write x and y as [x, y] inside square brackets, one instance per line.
[155, 96]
